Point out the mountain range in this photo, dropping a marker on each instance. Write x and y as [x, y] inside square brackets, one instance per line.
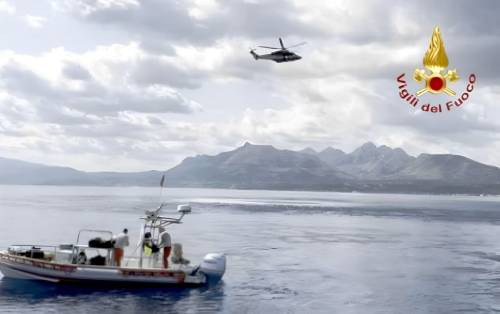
[367, 169]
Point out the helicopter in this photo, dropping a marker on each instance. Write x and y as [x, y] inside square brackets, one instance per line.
[282, 55]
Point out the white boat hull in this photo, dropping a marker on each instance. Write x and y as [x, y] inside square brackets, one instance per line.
[18, 267]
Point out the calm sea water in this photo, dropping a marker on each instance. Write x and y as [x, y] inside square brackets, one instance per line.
[288, 252]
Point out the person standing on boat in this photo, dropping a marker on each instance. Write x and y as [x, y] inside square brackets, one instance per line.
[166, 244]
[121, 241]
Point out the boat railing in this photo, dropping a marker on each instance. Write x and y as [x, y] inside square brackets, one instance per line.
[93, 231]
[31, 248]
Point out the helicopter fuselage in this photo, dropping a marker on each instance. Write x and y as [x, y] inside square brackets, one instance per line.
[278, 56]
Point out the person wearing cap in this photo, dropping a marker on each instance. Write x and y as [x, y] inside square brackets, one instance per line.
[121, 241]
[166, 244]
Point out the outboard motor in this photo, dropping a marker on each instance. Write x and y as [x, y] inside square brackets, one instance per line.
[213, 266]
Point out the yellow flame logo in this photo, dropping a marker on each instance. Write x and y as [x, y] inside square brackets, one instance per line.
[435, 60]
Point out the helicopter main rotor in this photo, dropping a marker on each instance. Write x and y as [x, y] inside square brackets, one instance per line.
[282, 45]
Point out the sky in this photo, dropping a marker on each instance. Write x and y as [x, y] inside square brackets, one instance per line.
[128, 85]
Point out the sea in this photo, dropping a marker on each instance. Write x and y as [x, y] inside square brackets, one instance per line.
[287, 251]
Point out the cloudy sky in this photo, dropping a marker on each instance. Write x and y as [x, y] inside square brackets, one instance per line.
[136, 85]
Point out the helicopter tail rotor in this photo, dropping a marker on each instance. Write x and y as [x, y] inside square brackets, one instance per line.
[255, 55]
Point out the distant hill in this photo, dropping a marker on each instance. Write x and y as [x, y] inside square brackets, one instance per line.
[367, 169]
[21, 172]
[369, 161]
[258, 167]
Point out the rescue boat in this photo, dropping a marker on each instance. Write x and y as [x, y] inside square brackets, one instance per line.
[91, 262]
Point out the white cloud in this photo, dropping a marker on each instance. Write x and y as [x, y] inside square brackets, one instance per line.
[202, 9]
[34, 21]
[7, 7]
[108, 89]
[86, 7]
